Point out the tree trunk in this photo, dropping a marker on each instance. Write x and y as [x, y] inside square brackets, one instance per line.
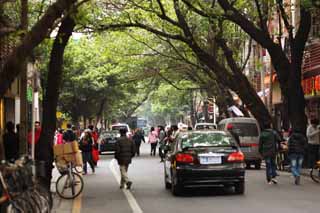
[44, 151]
[33, 38]
[288, 71]
[237, 82]
[100, 110]
[192, 110]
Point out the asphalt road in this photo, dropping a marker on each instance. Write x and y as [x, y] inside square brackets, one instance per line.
[148, 195]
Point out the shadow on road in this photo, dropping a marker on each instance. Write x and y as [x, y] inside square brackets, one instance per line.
[209, 192]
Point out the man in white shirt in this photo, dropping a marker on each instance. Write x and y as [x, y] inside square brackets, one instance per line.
[313, 134]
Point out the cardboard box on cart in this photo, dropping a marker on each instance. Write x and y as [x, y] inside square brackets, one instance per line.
[66, 148]
[75, 158]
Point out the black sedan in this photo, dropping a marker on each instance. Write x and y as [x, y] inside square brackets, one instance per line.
[107, 141]
[202, 159]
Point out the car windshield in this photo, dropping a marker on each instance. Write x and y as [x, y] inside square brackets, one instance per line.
[207, 126]
[245, 129]
[206, 140]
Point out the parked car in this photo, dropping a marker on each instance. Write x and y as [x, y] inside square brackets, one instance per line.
[202, 159]
[206, 126]
[107, 141]
[248, 131]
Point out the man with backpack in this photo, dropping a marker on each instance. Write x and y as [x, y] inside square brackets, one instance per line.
[268, 147]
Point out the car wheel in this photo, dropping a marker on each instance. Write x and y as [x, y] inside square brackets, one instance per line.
[176, 189]
[257, 165]
[167, 184]
[239, 187]
[248, 165]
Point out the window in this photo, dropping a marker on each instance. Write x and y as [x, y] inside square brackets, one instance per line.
[245, 129]
[206, 140]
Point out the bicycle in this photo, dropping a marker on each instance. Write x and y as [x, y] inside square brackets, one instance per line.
[315, 172]
[20, 192]
[70, 184]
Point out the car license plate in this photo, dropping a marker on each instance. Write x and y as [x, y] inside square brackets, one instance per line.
[210, 160]
[245, 149]
[112, 141]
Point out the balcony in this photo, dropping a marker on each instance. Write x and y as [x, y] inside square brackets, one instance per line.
[311, 61]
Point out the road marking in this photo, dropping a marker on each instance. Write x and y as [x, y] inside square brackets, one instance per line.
[77, 202]
[76, 206]
[131, 200]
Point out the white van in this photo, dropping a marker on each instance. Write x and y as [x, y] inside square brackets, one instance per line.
[119, 126]
[248, 131]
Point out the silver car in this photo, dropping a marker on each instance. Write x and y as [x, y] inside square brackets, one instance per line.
[248, 131]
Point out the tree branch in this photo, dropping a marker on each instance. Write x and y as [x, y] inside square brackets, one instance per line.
[235, 16]
[284, 16]
[162, 15]
[263, 24]
[39, 31]
[194, 9]
[142, 26]
[288, 26]
[248, 56]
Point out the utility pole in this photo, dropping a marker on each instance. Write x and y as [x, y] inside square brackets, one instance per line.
[23, 86]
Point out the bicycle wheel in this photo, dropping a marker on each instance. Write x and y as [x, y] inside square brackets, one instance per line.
[315, 174]
[69, 186]
[44, 194]
[20, 205]
[42, 201]
[11, 208]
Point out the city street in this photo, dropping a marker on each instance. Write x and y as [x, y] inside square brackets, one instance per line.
[102, 193]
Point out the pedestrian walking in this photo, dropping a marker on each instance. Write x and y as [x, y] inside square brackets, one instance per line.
[86, 148]
[138, 137]
[297, 144]
[162, 143]
[175, 133]
[269, 143]
[313, 134]
[69, 135]
[125, 150]
[153, 140]
[95, 146]
[11, 143]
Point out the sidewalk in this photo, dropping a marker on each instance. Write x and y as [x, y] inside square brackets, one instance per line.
[60, 205]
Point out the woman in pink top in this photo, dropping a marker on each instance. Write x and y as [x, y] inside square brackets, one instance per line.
[59, 137]
[153, 140]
